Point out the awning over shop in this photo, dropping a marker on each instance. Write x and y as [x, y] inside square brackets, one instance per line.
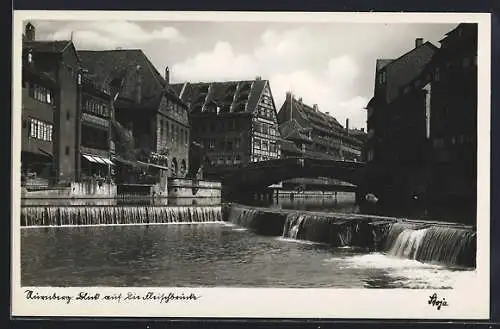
[98, 159]
[130, 163]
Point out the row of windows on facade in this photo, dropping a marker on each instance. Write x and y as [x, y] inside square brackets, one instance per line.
[40, 93]
[175, 107]
[223, 144]
[454, 140]
[95, 107]
[264, 128]
[438, 143]
[264, 145]
[464, 63]
[229, 160]
[236, 159]
[217, 127]
[41, 130]
[258, 158]
[266, 108]
[177, 134]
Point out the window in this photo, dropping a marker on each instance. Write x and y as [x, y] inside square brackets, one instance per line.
[30, 57]
[438, 143]
[257, 144]
[40, 130]
[229, 145]
[67, 150]
[211, 144]
[382, 77]
[160, 124]
[41, 94]
[370, 155]
[437, 76]
[237, 142]
[272, 147]
[68, 115]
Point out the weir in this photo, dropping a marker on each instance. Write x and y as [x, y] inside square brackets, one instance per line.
[117, 215]
[431, 242]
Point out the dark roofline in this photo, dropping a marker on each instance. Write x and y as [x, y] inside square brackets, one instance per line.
[428, 43]
[42, 75]
[217, 81]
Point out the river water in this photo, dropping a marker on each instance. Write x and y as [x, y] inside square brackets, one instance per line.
[211, 253]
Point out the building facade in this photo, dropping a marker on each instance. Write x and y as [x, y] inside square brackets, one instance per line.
[145, 108]
[59, 61]
[397, 123]
[316, 134]
[37, 135]
[235, 121]
[94, 135]
[422, 121]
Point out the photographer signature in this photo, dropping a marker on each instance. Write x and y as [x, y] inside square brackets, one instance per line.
[437, 302]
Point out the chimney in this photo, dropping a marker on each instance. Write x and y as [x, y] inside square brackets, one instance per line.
[138, 98]
[258, 78]
[315, 107]
[300, 100]
[419, 42]
[347, 124]
[362, 130]
[29, 32]
[167, 75]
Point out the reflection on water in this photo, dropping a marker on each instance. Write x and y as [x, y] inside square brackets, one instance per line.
[208, 255]
[343, 202]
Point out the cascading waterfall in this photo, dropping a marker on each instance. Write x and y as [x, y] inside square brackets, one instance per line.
[242, 216]
[292, 226]
[116, 215]
[426, 243]
[432, 242]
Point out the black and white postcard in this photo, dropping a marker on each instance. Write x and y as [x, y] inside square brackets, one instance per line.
[224, 164]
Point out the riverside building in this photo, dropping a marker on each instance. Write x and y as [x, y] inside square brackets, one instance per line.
[235, 121]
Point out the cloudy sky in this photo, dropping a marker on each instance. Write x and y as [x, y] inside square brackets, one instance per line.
[329, 64]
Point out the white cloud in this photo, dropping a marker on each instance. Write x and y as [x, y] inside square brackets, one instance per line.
[113, 34]
[284, 58]
[221, 63]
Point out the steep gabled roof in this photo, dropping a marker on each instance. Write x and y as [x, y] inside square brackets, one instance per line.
[230, 96]
[292, 130]
[404, 69]
[46, 46]
[104, 67]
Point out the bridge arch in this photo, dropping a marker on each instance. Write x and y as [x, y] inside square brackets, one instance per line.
[257, 176]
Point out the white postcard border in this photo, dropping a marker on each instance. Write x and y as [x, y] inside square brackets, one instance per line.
[470, 302]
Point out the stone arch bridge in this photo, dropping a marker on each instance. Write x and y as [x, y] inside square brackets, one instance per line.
[257, 176]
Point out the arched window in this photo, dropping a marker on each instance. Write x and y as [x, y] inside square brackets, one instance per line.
[183, 168]
[173, 167]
